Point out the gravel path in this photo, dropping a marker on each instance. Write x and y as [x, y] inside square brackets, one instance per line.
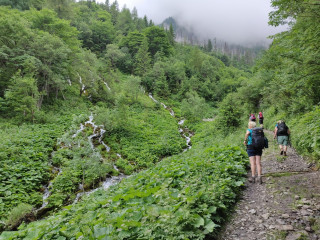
[286, 206]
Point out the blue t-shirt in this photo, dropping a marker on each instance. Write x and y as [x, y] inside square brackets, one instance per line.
[249, 137]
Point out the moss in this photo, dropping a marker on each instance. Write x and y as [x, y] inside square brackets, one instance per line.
[17, 214]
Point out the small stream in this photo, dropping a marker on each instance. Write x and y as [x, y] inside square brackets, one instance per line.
[46, 191]
[82, 85]
[98, 133]
[185, 132]
[105, 185]
[105, 83]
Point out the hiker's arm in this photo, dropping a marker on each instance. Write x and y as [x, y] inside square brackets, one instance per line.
[288, 131]
[275, 132]
[246, 138]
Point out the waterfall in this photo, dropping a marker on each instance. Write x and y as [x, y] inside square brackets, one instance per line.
[107, 85]
[105, 185]
[180, 123]
[82, 85]
[79, 131]
[47, 192]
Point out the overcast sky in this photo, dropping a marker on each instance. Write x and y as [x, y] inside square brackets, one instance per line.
[237, 21]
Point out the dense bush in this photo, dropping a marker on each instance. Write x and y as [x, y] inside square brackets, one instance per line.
[306, 133]
[183, 197]
[24, 163]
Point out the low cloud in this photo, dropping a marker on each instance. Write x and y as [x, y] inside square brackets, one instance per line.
[236, 21]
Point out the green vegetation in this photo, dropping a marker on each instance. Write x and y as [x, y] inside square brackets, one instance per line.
[179, 198]
[24, 163]
[18, 213]
[64, 61]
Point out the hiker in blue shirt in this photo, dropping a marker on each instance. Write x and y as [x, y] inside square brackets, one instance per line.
[254, 154]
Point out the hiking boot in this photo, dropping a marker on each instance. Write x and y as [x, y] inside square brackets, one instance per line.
[281, 153]
[259, 180]
[252, 179]
[284, 154]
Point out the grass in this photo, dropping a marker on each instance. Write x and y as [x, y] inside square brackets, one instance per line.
[277, 235]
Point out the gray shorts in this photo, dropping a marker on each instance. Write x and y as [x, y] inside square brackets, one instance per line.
[283, 140]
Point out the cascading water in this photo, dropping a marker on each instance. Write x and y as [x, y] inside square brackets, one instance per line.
[181, 122]
[47, 192]
[108, 182]
[105, 185]
[94, 134]
[107, 86]
[102, 131]
[82, 85]
[188, 138]
[98, 131]
[165, 107]
[79, 131]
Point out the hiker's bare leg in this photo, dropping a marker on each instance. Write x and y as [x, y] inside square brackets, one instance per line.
[258, 162]
[253, 165]
[281, 147]
[285, 148]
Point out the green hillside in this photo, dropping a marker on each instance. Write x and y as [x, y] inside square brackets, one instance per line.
[90, 93]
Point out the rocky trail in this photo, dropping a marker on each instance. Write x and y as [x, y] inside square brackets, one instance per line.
[286, 206]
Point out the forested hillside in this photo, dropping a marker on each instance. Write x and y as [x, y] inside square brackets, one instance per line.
[230, 54]
[92, 96]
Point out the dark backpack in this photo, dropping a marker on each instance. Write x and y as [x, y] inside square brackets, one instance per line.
[282, 129]
[258, 140]
[266, 142]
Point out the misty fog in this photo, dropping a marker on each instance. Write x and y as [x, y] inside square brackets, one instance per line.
[235, 21]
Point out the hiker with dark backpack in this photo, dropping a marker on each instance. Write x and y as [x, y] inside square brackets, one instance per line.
[252, 117]
[254, 140]
[260, 117]
[282, 132]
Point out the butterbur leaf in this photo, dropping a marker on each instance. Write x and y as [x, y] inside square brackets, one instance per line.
[61, 238]
[199, 221]
[210, 226]
[100, 232]
[212, 209]
[239, 183]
